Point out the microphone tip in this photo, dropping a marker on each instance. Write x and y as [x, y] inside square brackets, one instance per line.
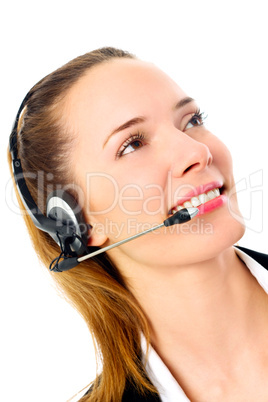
[192, 212]
[181, 216]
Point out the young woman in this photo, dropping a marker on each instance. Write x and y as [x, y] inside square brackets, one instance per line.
[178, 314]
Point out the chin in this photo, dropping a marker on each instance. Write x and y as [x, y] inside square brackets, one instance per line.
[227, 232]
[235, 233]
[236, 219]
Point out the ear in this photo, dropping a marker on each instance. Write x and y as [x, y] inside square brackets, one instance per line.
[96, 235]
[96, 240]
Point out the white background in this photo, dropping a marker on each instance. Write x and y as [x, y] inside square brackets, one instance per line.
[217, 52]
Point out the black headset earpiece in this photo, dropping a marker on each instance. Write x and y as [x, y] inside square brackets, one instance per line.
[63, 208]
[64, 221]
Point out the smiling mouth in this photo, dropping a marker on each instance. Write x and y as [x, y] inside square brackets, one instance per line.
[198, 200]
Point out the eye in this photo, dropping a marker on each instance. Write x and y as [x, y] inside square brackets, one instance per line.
[196, 120]
[134, 142]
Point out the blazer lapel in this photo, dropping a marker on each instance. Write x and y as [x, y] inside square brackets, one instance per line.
[261, 258]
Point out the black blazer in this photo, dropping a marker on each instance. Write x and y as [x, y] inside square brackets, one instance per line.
[131, 394]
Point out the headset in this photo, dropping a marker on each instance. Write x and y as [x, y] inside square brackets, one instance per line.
[64, 221]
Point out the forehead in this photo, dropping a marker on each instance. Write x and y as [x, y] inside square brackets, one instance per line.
[118, 76]
[117, 87]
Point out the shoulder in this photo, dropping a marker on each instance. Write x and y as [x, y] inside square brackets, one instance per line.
[261, 258]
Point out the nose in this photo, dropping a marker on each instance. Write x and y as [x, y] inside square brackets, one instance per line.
[190, 155]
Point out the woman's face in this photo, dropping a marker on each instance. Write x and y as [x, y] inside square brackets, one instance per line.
[140, 147]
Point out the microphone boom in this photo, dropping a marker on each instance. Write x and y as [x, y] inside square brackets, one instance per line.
[182, 216]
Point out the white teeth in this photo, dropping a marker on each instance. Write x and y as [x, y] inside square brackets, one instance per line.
[187, 204]
[201, 199]
[178, 208]
[211, 195]
[195, 202]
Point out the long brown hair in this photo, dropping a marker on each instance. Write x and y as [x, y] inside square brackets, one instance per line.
[95, 288]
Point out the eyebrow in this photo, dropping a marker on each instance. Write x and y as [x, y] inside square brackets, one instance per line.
[183, 102]
[137, 120]
[128, 124]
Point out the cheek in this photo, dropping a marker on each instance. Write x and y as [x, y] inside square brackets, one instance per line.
[222, 158]
[101, 193]
[120, 196]
[140, 188]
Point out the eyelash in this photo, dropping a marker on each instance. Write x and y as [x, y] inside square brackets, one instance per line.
[139, 136]
[199, 116]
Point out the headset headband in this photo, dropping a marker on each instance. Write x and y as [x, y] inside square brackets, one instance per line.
[39, 219]
[64, 221]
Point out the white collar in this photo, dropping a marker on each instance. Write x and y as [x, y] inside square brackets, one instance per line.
[168, 388]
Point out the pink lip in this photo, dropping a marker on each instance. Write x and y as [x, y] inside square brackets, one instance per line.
[212, 204]
[203, 188]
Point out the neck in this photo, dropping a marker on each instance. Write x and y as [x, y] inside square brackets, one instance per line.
[199, 305]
